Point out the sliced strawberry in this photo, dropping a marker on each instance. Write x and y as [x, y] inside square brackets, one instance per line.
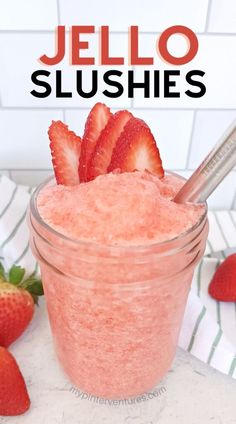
[106, 142]
[96, 122]
[65, 149]
[14, 398]
[223, 284]
[136, 149]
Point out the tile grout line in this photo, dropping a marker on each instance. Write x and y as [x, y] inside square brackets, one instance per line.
[28, 169]
[132, 98]
[191, 139]
[58, 12]
[46, 108]
[208, 16]
[165, 109]
[50, 31]
[50, 169]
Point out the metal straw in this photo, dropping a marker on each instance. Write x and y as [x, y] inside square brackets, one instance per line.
[212, 170]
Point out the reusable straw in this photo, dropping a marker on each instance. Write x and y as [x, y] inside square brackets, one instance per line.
[212, 170]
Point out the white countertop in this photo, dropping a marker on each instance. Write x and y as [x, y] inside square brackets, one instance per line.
[191, 393]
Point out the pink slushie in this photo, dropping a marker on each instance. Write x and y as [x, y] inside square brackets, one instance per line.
[117, 257]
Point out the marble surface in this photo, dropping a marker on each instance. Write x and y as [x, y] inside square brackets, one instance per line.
[191, 393]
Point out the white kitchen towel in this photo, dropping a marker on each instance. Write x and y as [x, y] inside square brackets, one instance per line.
[209, 327]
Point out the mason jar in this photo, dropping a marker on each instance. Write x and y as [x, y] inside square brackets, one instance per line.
[115, 311]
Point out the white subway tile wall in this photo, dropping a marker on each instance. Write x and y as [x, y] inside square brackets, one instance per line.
[24, 142]
[223, 16]
[151, 15]
[28, 14]
[209, 126]
[185, 128]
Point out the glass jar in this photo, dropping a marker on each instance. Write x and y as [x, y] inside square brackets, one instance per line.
[115, 312]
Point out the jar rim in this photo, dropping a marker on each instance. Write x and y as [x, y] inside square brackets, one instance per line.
[95, 245]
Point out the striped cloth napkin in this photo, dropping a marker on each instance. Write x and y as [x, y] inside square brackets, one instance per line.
[209, 327]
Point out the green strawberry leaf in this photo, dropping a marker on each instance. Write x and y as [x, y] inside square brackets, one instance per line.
[35, 299]
[16, 274]
[33, 285]
[2, 272]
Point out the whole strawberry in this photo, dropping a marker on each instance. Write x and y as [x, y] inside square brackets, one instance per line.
[17, 298]
[14, 398]
[223, 284]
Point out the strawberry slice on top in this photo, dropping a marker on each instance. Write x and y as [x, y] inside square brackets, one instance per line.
[65, 148]
[96, 122]
[136, 149]
[106, 142]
